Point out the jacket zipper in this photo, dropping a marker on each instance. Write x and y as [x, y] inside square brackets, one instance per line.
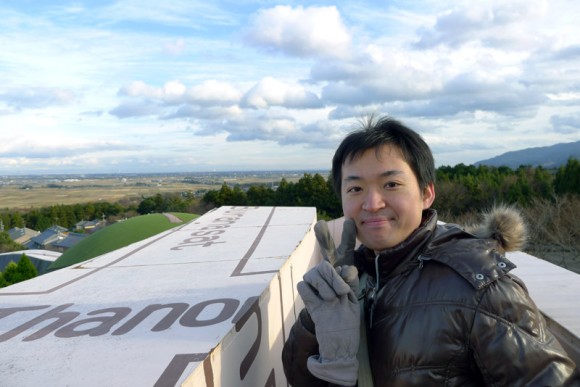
[422, 260]
[374, 290]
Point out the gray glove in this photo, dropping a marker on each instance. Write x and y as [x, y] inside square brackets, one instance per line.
[344, 255]
[330, 297]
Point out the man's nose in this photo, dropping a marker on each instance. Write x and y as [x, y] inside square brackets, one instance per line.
[374, 201]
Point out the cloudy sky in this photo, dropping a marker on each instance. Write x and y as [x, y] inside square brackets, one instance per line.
[187, 85]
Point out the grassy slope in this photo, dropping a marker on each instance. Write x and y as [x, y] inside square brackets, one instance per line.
[116, 236]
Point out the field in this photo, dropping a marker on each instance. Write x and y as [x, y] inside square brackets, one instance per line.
[109, 191]
[42, 191]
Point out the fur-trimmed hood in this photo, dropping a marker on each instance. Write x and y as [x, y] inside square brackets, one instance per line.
[503, 223]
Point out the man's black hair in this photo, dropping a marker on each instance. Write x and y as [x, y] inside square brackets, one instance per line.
[373, 134]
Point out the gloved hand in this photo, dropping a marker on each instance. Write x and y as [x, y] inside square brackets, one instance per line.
[344, 255]
[330, 296]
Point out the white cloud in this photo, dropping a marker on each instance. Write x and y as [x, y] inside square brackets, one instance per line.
[145, 100]
[566, 124]
[174, 92]
[303, 32]
[199, 112]
[135, 109]
[213, 92]
[20, 147]
[272, 92]
[493, 23]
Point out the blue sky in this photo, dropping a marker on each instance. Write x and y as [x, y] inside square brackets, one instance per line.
[181, 85]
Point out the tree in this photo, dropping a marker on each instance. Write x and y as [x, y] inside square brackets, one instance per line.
[11, 273]
[146, 206]
[285, 193]
[26, 268]
[3, 282]
[18, 272]
[239, 197]
[260, 195]
[7, 244]
[567, 178]
[17, 220]
[211, 197]
[6, 221]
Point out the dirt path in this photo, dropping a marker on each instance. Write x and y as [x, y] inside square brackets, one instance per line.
[172, 218]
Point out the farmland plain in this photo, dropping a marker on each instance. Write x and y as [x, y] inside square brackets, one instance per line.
[35, 191]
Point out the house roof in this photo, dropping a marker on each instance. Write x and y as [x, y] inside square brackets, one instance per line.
[49, 236]
[19, 235]
[88, 223]
[70, 240]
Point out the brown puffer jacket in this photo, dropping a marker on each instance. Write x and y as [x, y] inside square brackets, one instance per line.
[449, 313]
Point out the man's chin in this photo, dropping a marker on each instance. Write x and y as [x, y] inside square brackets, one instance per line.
[378, 244]
[375, 245]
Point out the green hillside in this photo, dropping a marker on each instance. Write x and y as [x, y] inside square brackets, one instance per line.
[118, 235]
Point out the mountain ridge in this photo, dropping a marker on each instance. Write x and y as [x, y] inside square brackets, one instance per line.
[552, 156]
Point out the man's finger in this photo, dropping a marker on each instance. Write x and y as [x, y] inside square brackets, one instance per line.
[308, 294]
[324, 278]
[349, 274]
[325, 241]
[345, 251]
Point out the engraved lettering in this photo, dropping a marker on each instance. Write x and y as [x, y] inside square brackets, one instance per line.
[201, 233]
[5, 312]
[191, 317]
[106, 323]
[251, 306]
[204, 244]
[176, 310]
[200, 239]
[61, 318]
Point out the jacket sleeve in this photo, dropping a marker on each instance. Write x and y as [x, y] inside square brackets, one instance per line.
[511, 343]
[301, 344]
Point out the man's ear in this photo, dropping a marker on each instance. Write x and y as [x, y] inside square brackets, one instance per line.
[428, 195]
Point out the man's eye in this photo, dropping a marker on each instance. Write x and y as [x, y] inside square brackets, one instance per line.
[391, 184]
[353, 189]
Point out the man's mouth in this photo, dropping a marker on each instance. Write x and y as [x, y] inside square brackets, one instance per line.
[375, 221]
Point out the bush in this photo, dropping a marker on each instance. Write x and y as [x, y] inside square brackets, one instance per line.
[14, 273]
[553, 230]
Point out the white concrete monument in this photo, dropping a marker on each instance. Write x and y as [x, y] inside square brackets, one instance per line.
[208, 303]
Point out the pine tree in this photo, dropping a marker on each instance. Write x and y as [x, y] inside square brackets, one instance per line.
[3, 282]
[26, 269]
[11, 273]
[568, 178]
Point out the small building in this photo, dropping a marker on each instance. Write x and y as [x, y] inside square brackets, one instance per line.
[89, 226]
[22, 235]
[67, 242]
[47, 238]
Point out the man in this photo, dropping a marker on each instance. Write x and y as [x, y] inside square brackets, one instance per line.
[440, 306]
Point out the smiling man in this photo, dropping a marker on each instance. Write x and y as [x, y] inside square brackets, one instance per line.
[369, 182]
[439, 306]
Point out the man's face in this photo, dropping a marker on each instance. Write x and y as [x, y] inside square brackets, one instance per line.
[380, 192]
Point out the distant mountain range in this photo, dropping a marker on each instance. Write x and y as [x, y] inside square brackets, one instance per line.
[547, 156]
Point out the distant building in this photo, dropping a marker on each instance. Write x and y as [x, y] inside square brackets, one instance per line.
[22, 235]
[47, 238]
[55, 238]
[67, 242]
[89, 226]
